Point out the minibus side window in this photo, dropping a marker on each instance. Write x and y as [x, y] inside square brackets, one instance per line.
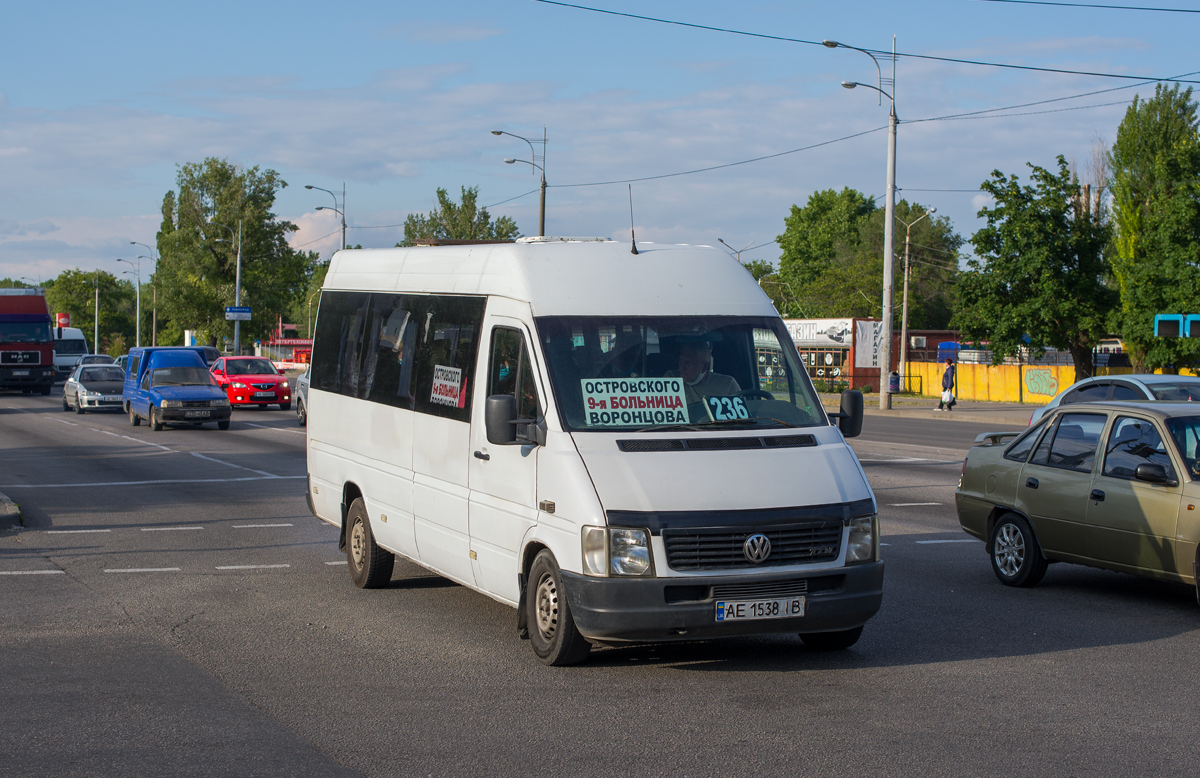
[447, 344]
[509, 371]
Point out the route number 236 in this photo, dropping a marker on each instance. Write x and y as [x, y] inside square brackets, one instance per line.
[727, 408]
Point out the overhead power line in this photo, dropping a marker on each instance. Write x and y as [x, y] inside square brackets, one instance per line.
[1099, 5]
[955, 60]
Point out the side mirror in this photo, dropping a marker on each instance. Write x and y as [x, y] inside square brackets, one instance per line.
[499, 411]
[850, 419]
[1152, 473]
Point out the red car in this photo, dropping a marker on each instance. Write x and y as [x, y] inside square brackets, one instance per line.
[252, 381]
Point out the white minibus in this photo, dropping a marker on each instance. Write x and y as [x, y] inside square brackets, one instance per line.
[622, 446]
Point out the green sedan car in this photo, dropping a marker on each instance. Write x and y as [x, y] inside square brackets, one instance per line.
[1114, 485]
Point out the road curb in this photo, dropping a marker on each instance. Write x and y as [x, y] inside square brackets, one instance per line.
[10, 512]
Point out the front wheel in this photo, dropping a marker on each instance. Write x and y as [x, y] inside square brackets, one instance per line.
[301, 414]
[285, 406]
[44, 389]
[223, 425]
[134, 419]
[78, 405]
[1016, 558]
[832, 641]
[552, 634]
[370, 565]
[66, 407]
[154, 421]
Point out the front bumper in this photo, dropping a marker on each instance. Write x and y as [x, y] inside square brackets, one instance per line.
[26, 376]
[99, 403]
[246, 397]
[174, 415]
[621, 610]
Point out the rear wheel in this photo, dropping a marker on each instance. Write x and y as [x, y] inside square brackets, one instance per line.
[1016, 557]
[832, 641]
[370, 566]
[552, 632]
[134, 419]
[154, 421]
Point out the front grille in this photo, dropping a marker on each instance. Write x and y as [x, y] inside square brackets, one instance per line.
[761, 591]
[716, 444]
[721, 548]
[195, 403]
[20, 358]
[263, 386]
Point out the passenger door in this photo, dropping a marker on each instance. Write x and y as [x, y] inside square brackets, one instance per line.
[141, 398]
[1131, 522]
[1054, 485]
[503, 479]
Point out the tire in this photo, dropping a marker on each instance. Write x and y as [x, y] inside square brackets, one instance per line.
[285, 406]
[78, 406]
[370, 566]
[154, 422]
[301, 414]
[552, 632]
[832, 641]
[65, 406]
[223, 425]
[134, 419]
[1016, 556]
[44, 389]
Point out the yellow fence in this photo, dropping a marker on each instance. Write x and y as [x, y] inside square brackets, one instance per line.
[1035, 384]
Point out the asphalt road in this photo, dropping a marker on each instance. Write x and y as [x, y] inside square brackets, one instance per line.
[179, 612]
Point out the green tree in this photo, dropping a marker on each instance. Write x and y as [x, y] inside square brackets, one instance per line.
[1155, 164]
[12, 283]
[74, 292]
[198, 257]
[812, 234]
[1040, 276]
[458, 221]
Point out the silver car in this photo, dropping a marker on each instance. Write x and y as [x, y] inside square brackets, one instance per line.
[301, 395]
[93, 388]
[1144, 386]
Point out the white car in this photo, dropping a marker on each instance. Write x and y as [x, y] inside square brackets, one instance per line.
[1145, 386]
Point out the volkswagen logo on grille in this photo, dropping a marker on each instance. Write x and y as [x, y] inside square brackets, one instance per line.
[757, 548]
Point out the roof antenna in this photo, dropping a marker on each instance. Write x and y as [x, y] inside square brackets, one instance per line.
[632, 233]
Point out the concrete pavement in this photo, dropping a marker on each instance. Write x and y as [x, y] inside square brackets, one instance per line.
[906, 407]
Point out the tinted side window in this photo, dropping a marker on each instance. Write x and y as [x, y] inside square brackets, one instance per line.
[509, 371]
[446, 352]
[1020, 448]
[341, 319]
[1134, 442]
[133, 365]
[1042, 455]
[1075, 441]
[1089, 393]
[1123, 391]
[393, 350]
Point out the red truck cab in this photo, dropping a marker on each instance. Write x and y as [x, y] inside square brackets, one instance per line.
[26, 341]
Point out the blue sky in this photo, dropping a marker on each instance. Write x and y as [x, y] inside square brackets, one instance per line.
[99, 103]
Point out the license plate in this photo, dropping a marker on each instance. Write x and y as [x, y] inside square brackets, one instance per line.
[196, 414]
[760, 609]
[264, 394]
[20, 372]
[111, 398]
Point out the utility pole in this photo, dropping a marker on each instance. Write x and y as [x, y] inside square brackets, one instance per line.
[96, 331]
[237, 296]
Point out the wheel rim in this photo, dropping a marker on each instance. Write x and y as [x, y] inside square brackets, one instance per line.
[358, 543]
[1009, 551]
[547, 606]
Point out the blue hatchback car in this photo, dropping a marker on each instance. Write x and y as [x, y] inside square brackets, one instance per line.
[172, 386]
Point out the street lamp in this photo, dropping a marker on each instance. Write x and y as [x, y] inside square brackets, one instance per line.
[137, 273]
[37, 283]
[341, 212]
[237, 286]
[904, 316]
[154, 287]
[534, 163]
[885, 397]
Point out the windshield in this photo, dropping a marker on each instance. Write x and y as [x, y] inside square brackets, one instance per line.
[249, 367]
[25, 332]
[681, 372]
[73, 346]
[180, 376]
[1185, 431]
[1184, 391]
[102, 374]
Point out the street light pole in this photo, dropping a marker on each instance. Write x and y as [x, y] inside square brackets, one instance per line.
[96, 329]
[341, 212]
[904, 315]
[885, 347]
[237, 287]
[137, 275]
[154, 286]
[534, 156]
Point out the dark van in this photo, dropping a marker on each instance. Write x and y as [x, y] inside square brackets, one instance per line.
[172, 386]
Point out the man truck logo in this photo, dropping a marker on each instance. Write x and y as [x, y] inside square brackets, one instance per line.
[757, 548]
[1041, 382]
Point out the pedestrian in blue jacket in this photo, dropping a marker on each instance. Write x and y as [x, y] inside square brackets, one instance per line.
[947, 400]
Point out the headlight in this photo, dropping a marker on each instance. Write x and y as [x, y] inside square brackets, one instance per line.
[284, 384]
[238, 385]
[89, 393]
[595, 551]
[862, 544]
[219, 403]
[172, 403]
[629, 551]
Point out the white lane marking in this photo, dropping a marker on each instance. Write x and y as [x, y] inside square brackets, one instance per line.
[74, 531]
[115, 435]
[15, 408]
[64, 421]
[33, 572]
[250, 567]
[339, 562]
[230, 464]
[956, 540]
[148, 443]
[256, 526]
[276, 429]
[167, 529]
[910, 504]
[160, 481]
[144, 570]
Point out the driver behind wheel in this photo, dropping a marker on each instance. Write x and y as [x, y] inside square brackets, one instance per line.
[700, 382]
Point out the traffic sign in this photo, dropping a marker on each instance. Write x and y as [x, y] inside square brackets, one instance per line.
[237, 313]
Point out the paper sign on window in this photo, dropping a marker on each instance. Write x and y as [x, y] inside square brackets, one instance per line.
[447, 386]
[634, 401]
